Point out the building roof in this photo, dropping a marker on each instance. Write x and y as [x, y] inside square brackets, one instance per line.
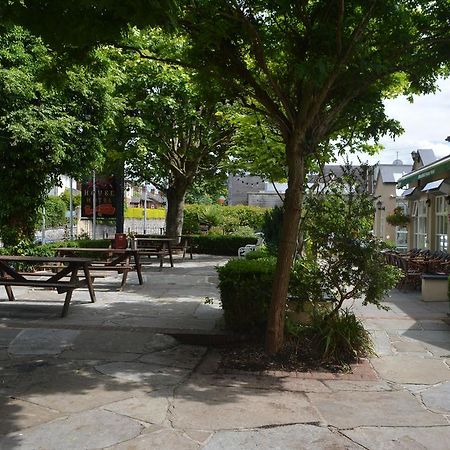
[391, 173]
[422, 157]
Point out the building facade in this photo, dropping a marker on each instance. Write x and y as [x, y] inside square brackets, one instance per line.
[428, 196]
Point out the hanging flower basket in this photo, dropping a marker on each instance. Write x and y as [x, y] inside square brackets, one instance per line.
[398, 218]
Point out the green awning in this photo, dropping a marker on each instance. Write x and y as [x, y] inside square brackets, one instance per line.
[436, 168]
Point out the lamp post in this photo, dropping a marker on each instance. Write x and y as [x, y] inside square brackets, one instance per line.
[144, 189]
[94, 206]
[43, 225]
[71, 209]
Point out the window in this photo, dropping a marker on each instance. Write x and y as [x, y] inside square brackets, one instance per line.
[441, 224]
[401, 233]
[420, 224]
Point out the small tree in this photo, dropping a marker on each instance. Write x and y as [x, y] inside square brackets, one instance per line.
[348, 260]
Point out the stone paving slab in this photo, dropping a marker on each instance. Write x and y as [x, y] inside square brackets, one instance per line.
[149, 375]
[87, 430]
[437, 398]
[151, 408]
[401, 438]
[413, 370]
[37, 342]
[7, 335]
[349, 385]
[164, 439]
[183, 356]
[291, 437]
[219, 408]
[350, 409]
[74, 393]
[17, 414]
[257, 381]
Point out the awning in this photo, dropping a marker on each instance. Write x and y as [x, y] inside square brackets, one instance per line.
[436, 168]
[408, 192]
[437, 187]
[411, 194]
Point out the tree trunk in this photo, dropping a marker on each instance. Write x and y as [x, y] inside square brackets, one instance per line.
[176, 194]
[287, 247]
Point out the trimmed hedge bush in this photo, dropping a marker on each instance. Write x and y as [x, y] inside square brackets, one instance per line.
[220, 244]
[245, 292]
[33, 249]
[230, 218]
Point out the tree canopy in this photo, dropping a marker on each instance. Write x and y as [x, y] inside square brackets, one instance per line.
[316, 70]
[178, 127]
[45, 131]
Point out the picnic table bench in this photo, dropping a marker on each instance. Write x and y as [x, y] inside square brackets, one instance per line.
[108, 259]
[10, 276]
[154, 246]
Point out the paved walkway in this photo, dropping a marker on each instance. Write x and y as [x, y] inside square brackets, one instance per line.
[107, 377]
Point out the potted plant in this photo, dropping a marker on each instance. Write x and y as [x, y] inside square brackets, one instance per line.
[398, 218]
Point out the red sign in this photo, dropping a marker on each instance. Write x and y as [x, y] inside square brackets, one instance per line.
[105, 197]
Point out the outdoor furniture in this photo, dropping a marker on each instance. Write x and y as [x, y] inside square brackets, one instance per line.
[434, 287]
[183, 244]
[64, 267]
[109, 259]
[159, 246]
[242, 251]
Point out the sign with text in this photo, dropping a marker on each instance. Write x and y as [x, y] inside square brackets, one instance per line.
[105, 197]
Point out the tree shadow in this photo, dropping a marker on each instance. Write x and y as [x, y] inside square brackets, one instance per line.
[101, 368]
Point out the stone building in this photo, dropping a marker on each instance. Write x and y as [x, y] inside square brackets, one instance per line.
[428, 197]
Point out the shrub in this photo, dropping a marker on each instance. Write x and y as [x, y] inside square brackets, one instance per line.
[220, 244]
[245, 291]
[230, 218]
[259, 253]
[55, 213]
[305, 282]
[336, 338]
[271, 227]
[138, 213]
[350, 262]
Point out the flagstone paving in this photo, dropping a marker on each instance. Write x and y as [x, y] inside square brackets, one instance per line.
[110, 375]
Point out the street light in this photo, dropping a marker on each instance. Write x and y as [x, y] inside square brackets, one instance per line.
[144, 188]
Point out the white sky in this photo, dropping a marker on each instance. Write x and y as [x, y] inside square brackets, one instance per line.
[426, 123]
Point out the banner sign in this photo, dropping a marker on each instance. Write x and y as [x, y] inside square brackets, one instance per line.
[105, 190]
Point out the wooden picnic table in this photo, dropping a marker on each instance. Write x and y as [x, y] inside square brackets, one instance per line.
[62, 267]
[104, 259]
[154, 245]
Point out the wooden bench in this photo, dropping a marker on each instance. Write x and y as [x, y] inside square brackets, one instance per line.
[10, 277]
[109, 259]
[159, 246]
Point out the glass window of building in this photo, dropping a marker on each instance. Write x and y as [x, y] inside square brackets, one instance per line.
[441, 224]
[420, 224]
[401, 233]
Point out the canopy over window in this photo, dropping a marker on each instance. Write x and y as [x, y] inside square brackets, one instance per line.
[437, 187]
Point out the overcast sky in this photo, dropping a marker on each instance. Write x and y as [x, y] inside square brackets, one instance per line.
[426, 123]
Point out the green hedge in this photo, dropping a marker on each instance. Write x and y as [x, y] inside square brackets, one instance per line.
[245, 291]
[220, 244]
[228, 217]
[33, 249]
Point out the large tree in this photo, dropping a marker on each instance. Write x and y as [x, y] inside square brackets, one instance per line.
[318, 70]
[178, 126]
[45, 129]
